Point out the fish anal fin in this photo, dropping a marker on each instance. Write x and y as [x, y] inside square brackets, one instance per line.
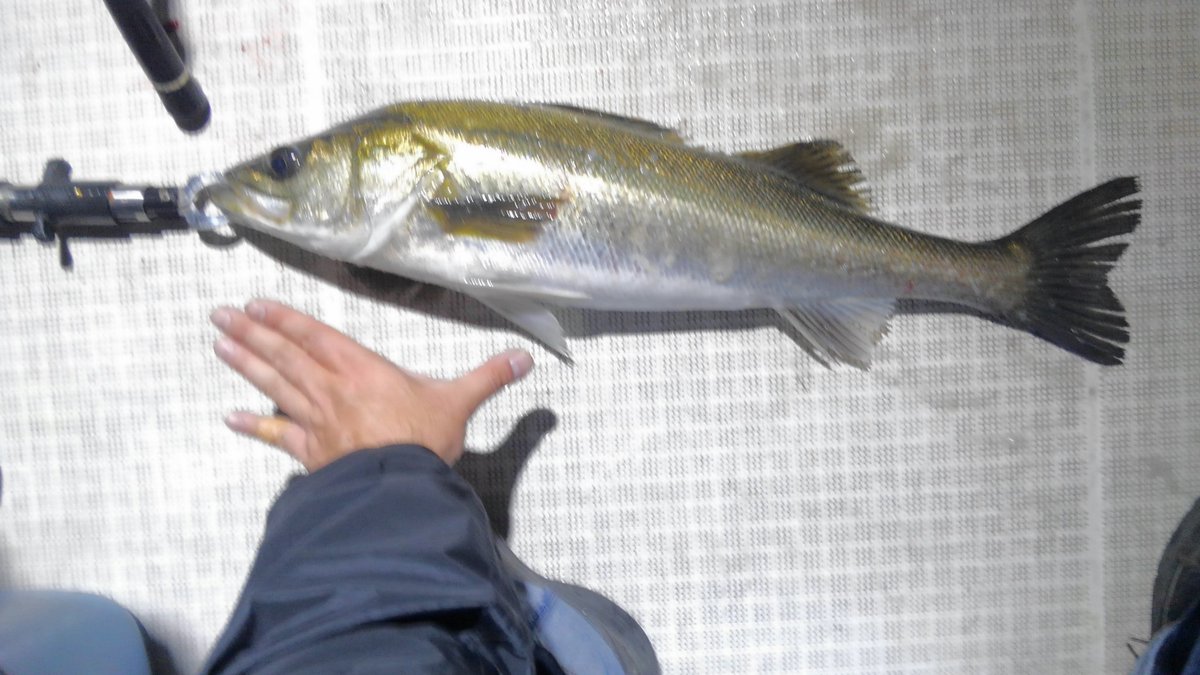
[645, 127]
[823, 165]
[840, 330]
[529, 315]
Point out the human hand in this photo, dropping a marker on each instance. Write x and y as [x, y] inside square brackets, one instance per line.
[339, 396]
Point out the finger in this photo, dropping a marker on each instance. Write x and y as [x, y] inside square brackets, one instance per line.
[277, 431]
[264, 377]
[292, 362]
[495, 374]
[327, 345]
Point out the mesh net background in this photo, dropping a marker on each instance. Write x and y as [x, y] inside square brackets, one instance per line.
[979, 501]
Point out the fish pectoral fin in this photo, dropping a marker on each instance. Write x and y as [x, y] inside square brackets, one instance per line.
[824, 166]
[530, 316]
[511, 218]
[640, 126]
[840, 330]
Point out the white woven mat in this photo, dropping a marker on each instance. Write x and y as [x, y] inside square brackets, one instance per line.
[979, 501]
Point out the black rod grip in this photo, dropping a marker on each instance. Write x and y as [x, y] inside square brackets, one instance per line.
[180, 93]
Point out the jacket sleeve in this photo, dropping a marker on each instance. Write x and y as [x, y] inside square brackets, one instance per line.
[382, 561]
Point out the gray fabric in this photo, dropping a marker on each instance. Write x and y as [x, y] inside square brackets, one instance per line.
[979, 501]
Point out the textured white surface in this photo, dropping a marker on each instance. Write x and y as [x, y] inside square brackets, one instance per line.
[978, 502]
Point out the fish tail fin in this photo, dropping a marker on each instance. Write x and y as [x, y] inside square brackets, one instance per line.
[1068, 301]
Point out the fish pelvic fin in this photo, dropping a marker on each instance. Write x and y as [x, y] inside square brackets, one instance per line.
[531, 316]
[840, 330]
[1071, 250]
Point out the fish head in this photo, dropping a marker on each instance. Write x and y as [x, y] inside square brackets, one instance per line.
[329, 192]
[296, 189]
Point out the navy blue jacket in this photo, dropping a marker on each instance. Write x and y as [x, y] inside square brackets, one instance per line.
[381, 562]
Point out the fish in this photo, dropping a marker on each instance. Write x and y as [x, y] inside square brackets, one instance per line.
[531, 207]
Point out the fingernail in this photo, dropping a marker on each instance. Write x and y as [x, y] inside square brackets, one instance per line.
[521, 363]
[224, 347]
[236, 421]
[257, 310]
[221, 317]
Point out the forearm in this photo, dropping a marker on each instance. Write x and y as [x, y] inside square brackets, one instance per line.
[387, 550]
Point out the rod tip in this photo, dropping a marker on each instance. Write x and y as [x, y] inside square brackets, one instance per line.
[188, 106]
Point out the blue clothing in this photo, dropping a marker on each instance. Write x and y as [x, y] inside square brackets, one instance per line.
[383, 561]
[51, 632]
[1175, 650]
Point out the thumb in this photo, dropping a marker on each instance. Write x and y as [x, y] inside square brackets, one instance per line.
[495, 374]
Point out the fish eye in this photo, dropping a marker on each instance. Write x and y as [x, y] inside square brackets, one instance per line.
[285, 162]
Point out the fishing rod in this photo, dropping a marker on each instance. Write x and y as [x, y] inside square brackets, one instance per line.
[59, 209]
[154, 39]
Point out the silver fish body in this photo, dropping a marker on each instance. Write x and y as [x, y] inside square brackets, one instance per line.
[525, 207]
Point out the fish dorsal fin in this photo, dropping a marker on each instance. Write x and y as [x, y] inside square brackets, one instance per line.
[824, 166]
[644, 127]
[841, 330]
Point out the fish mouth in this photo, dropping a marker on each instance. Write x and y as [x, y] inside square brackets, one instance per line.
[245, 205]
